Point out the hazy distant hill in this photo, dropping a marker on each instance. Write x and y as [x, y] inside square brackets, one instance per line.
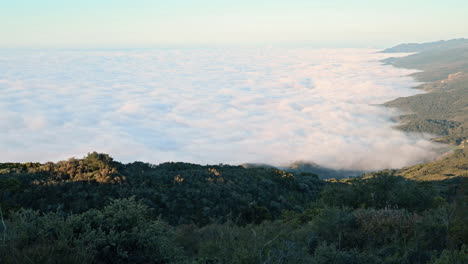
[301, 167]
[418, 47]
[443, 111]
[322, 172]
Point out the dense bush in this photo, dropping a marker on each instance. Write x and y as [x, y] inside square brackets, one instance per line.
[121, 232]
[383, 190]
[221, 192]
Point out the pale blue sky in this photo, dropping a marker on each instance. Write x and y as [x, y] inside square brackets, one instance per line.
[153, 23]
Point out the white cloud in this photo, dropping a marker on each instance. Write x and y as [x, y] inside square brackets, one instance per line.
[206, 106]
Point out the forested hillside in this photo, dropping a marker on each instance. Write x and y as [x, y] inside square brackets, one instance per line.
[97, 210]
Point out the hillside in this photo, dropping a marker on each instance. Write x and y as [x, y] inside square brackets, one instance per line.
[98, 210]
[443, 110]
[448, 167]
[435, 64]
[182, 193]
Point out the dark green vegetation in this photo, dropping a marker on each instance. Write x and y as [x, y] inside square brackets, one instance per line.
[443, 110]
[181, 193]
[97, 210]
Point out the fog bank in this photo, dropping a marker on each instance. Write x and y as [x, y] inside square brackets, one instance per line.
[273, 106]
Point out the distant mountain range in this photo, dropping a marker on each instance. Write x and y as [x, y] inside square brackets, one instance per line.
[419, 47]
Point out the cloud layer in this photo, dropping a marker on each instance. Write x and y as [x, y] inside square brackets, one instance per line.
[232, 106]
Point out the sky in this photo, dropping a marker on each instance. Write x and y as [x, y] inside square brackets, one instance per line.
[194, 23]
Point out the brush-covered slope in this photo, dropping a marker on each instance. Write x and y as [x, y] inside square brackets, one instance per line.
[447, 167]
[443, 110]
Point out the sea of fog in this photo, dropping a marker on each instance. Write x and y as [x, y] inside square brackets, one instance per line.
[256, 105]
